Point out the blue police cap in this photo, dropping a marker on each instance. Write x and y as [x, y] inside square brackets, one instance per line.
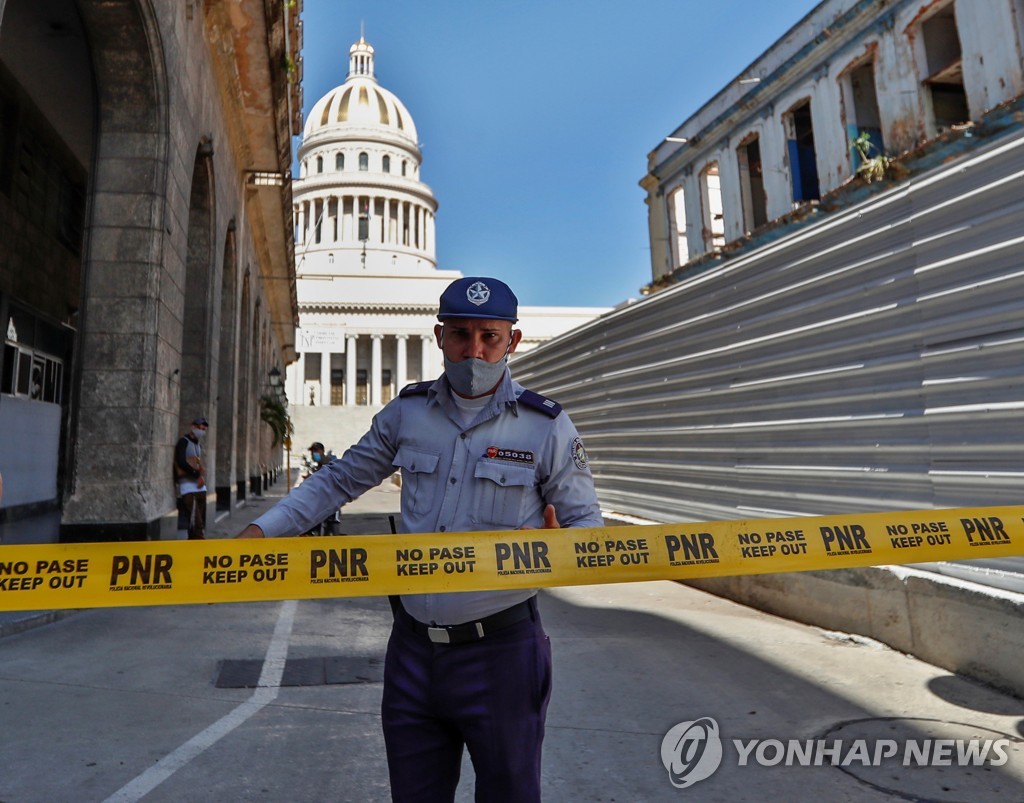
[478, 297]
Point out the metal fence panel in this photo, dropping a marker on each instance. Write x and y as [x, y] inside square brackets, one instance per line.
[872, 360]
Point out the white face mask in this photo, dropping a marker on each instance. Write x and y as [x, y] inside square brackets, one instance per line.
[198, 434]
[473, 376]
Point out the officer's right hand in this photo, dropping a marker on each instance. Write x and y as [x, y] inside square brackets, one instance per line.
[252, 531]
[550, 520]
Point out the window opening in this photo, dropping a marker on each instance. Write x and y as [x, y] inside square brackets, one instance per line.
[362, 386]
[33, 364]
[364, 219]
[862, 111]
[319, 164]
[386, 164]
[944, 79]
[711, 202]
[677, 216]
[364, 162]
[752, 194]
[337, 386]
[803, 161]
[339, 161]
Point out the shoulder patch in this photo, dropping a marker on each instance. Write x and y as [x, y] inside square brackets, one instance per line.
[537, 402]
[415, 389]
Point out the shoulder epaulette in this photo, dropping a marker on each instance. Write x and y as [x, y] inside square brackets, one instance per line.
[538, 402]
[415, 389]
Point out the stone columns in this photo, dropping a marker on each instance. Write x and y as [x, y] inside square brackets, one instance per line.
[350, 369]
[427, 345]
[401, 372]
[298, 374]
[325, 379]
[375, 368]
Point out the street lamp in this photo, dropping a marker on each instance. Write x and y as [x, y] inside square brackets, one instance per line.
[275, 377]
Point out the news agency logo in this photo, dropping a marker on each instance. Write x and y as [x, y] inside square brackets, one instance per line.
[691, 751]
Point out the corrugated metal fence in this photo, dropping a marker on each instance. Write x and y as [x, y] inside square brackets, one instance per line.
[869, 361]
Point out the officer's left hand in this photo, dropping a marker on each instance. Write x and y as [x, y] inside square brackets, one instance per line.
[550, 520]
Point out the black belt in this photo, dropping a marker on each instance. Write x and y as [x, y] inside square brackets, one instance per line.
[469, 631]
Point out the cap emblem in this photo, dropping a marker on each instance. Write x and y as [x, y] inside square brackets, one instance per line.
[478, 293]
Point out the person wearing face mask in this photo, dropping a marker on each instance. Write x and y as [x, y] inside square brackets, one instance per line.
[477, 452]
[318, 458]
[191, 476]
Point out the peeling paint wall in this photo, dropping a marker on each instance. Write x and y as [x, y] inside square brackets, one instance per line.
[814, 62]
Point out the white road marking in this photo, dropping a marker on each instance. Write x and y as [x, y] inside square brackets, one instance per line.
[267, 689]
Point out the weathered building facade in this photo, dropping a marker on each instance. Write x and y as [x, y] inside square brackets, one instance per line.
[146, 254]
[776, 141]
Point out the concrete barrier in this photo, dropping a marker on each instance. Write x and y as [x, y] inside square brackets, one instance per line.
[961, 626]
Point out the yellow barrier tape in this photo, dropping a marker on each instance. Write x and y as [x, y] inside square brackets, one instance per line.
[179, 572]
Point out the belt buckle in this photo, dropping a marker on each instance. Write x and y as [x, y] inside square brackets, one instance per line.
[439, 635]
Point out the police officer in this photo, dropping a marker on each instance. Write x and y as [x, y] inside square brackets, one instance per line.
[477, 452]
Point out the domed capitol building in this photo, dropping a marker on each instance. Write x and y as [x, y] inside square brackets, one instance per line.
[366, 264]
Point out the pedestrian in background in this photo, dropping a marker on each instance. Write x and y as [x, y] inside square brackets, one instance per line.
[477, 451]
[191, 476]
[318, 458]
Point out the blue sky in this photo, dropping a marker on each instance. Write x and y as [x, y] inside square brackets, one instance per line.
[536, 119]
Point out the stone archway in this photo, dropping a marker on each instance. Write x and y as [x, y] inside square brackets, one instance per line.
[226, 374]
[196, 324]
[243, 408]
[113, 422]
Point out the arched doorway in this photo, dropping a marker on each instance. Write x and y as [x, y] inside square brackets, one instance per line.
[196, 323]
[243, 410]
[225, 373]
[83, 94]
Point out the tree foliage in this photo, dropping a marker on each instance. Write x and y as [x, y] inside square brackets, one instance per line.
[274, 414]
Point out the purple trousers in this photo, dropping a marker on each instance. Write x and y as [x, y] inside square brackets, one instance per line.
[490, 695]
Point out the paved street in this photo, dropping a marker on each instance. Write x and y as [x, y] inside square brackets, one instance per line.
[124, 704]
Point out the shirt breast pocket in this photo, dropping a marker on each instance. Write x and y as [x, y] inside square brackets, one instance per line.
[419, 470]
[500, 489]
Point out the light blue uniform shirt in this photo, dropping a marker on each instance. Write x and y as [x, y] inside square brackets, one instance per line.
[497, 473]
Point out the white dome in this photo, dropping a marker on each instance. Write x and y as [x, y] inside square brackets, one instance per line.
[360, 102]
